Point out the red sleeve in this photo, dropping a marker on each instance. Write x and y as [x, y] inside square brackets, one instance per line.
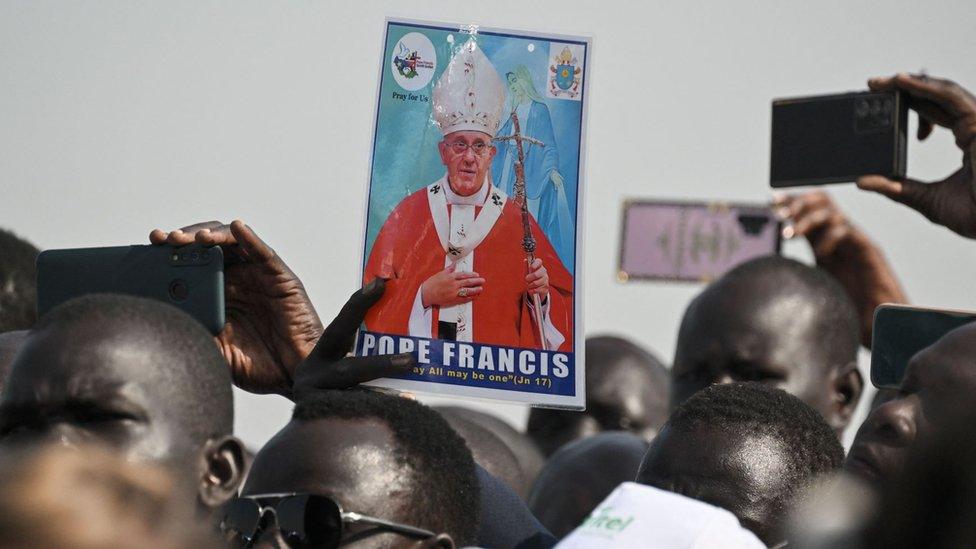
[561, 307]
[388, 315]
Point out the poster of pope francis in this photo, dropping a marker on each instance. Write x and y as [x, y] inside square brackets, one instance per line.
[474, 212]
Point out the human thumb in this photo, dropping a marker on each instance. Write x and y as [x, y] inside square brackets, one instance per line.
[921, 197]
[908, 191]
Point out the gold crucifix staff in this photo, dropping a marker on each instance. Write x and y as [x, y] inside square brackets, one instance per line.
[528, 241]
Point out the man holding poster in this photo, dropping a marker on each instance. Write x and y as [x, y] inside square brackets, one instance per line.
[452, 252]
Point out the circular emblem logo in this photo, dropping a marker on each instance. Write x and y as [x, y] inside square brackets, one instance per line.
[414, 61]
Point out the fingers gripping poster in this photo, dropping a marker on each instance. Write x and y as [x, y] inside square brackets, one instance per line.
[474, 212]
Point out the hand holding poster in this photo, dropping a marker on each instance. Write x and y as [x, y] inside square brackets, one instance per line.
[473, 213]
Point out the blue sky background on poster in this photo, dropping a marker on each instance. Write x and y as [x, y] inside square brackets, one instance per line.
[405, 156]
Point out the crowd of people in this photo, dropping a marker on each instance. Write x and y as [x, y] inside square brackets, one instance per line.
[116, 414]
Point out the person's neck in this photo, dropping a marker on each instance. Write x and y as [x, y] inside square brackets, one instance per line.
[475, 198]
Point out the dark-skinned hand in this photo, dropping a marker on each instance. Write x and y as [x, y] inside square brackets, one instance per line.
[330, 367]
[273, 337]
[844, 251]
[952, 201]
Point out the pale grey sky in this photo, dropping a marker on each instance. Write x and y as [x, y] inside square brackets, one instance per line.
[120, 116]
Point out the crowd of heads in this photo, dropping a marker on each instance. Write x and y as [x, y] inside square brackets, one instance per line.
[117, 413]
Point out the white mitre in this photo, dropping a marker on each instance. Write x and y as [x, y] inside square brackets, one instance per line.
[470, 96]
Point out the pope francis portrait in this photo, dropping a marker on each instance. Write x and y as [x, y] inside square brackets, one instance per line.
[451, 252]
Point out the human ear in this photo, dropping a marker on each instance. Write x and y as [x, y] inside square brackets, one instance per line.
[440, 541]
[222, 470]
[443, 149]
[847, 385]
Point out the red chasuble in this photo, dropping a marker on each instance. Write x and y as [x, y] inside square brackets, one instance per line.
[408, 251]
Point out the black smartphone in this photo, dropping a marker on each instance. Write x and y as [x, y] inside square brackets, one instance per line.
[693, 241]
[838, 138]
[901, 331]
[190, 278]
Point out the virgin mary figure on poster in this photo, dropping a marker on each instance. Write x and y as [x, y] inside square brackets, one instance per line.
[543, 182]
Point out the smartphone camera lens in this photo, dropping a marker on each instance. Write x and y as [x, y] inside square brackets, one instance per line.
[178, 290]
[195, 256]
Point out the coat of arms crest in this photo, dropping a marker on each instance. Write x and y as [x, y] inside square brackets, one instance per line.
[565, 75]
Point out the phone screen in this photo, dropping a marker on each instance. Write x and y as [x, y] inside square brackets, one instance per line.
[693, 241]
[902, 331]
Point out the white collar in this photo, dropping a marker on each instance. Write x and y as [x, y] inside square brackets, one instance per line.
[459, 245]
[476, 199]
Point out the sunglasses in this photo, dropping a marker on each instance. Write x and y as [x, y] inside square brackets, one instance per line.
[305, 520]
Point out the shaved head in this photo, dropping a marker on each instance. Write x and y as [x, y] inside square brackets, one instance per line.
[153, 343]
[136, 375]
[778, 322]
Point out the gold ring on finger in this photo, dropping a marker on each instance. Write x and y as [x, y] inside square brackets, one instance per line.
[463, 292]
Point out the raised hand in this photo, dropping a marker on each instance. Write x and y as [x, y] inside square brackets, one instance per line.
[271, 323]
[952, 201]
[273, 334]
[329, 367]
[844, 251]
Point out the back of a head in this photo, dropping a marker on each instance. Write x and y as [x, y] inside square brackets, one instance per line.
[580, 475]
[489, 451]
[604, 353]
[187, 370]
[91, 499]
[770, 444]
[444, 494]
[18, 283]
[526, 451]
[627, 389]
[740, 409]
